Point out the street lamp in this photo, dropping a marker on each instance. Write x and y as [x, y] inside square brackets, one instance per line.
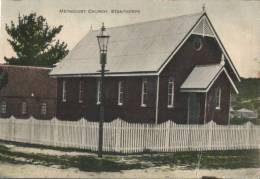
[102, 43]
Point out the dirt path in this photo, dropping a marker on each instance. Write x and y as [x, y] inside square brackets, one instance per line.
[34, 171]
[45, 151]
[11, 170]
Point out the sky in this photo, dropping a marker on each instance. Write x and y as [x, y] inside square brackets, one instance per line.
[237, 22]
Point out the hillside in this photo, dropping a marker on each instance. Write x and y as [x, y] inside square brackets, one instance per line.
[249, 94]
[249, 88]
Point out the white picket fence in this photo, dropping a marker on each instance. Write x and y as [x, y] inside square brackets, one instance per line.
[120, 136]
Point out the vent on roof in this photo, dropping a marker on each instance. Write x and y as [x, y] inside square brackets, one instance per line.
[203, 28]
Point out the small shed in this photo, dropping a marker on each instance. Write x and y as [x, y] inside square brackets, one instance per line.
[246, 113]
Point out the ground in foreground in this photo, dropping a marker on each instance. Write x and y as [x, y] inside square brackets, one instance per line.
[20, 161]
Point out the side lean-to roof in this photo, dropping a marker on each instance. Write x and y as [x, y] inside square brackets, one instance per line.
[203, 77]
[135, 49]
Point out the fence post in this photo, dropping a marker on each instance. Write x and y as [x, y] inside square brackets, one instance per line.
[118, 135]
[9, 131]
[146, 141]
[55, 131]
[189, 138]
[12, 136]
[256, 134]
[248, 126]
[210, 128]
[83, 133]
[167, 136]
[32, 129]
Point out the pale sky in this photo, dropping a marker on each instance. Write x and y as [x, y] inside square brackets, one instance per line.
[237, 22]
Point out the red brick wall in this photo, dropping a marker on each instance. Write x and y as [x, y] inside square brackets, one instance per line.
[14, 107]
[131, 110]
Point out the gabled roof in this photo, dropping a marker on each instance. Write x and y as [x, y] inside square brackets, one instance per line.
[203, 77]
[138, 49]
[245, 110]
[141, 47]
[22, 81]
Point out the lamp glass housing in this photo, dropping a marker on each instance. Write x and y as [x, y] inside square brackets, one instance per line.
[103, 39]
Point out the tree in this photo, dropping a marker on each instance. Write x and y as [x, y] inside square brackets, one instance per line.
[33, 41]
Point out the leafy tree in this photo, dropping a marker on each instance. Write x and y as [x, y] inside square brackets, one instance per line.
[33, 41]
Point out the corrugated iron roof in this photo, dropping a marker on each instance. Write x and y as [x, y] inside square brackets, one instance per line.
[201, 76]
[141, 47]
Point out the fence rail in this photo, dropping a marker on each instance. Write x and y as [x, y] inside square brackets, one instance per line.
[120, 136]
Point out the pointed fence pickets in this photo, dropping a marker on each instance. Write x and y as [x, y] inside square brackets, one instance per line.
[123, 137]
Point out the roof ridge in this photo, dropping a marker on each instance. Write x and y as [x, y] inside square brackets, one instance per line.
[206, 65]
[21, 66]
[151, 21]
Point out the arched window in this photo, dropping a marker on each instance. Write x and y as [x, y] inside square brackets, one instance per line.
[120, 93]
[80, 91]
[218, 97]
[24, 108]
[170, 93]
[64, 91]
[43, 108]
[144, 98]
[98, 91]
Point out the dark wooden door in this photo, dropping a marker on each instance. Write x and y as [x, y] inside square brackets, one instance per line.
[194, 108]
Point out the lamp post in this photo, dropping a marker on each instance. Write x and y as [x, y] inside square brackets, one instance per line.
[102, 43]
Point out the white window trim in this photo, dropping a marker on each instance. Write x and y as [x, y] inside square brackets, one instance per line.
[64, 97]
[3, 107]
[143, 93]
[98, 91]
[24, 108]
[170, 81]
[219, 98]
[120, 92]
[43, 112]
[80, 92]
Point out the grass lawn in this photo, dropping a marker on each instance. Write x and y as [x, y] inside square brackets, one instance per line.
[209, 160]
[241, 121]
[115, 163]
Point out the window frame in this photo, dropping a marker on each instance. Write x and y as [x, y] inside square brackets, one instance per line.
[120, 100]
[80, 91]
[64, 91]
[23, 108]
[170, 93]
[3, 110]
[218, 100]
[144, 94]
[43, 110]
